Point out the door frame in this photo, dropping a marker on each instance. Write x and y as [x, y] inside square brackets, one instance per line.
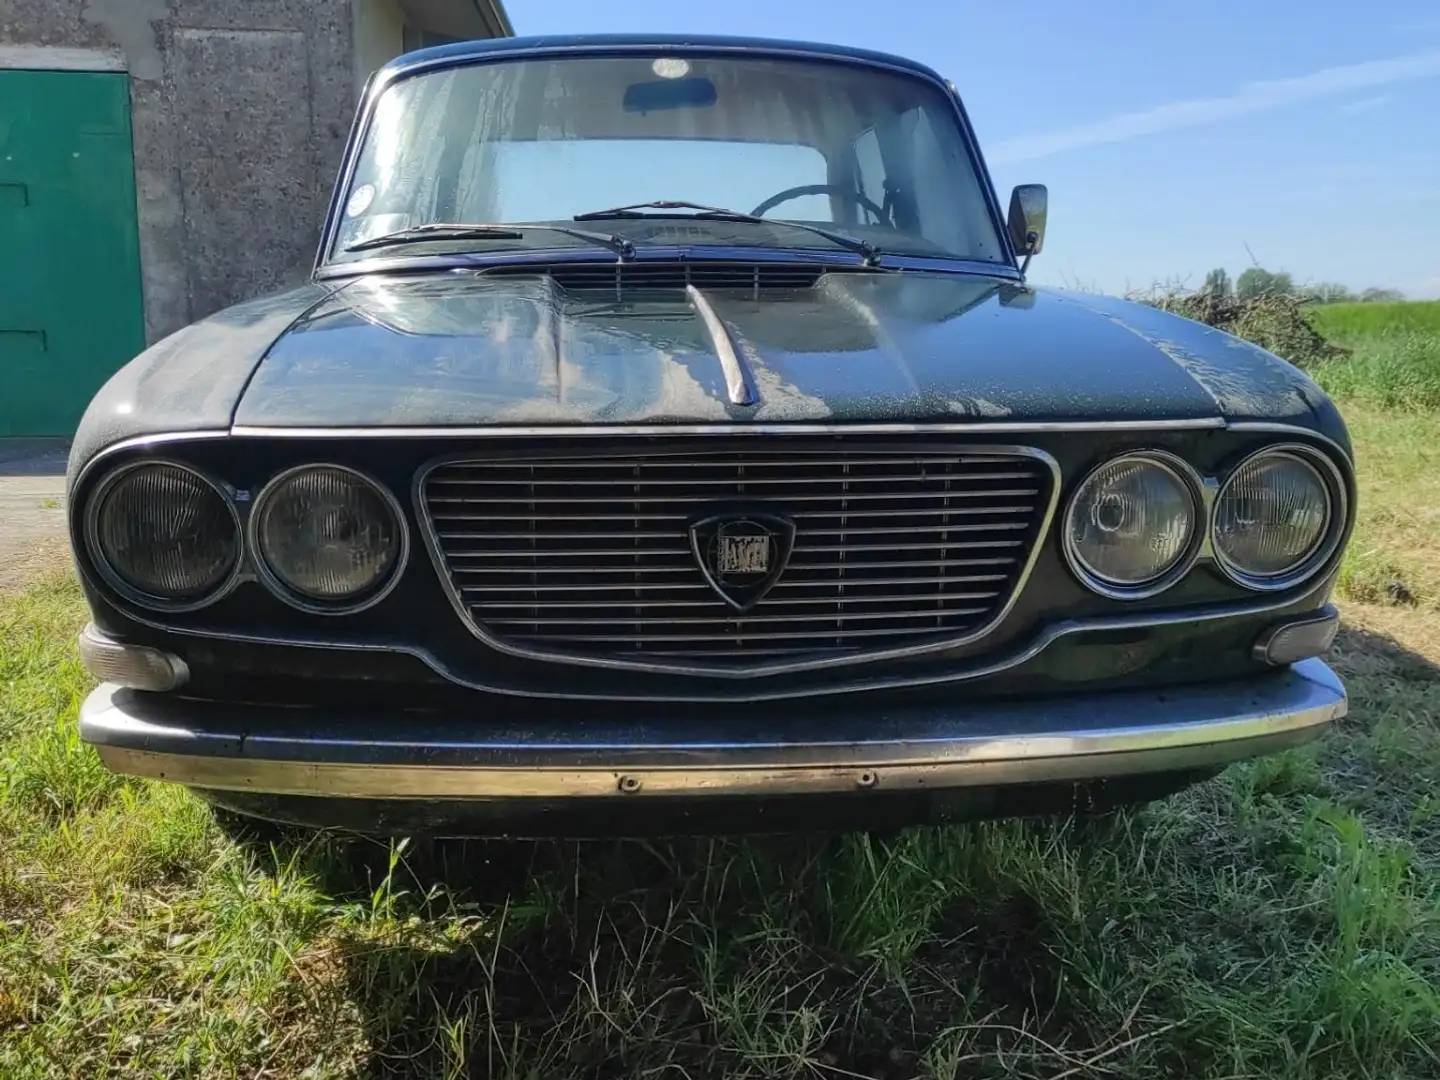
[79, 60]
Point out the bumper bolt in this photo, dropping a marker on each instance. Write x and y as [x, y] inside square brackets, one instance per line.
[629, 784]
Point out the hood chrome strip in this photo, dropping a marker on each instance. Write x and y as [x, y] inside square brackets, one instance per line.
[739, 386]
[741, 428]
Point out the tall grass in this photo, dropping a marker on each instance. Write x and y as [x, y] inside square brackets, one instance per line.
[1341, 322]
[1394, 360]
[1391, 369]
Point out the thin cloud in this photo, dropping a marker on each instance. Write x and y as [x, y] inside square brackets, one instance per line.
[1250, 98]
[1350, 108]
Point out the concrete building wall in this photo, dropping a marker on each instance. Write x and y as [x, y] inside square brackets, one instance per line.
[240, 110]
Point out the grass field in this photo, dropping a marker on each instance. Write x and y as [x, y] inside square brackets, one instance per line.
[1280, 921]
[1395, 353]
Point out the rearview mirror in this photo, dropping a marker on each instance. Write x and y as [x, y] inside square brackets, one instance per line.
[1027, 218]
[648, 97]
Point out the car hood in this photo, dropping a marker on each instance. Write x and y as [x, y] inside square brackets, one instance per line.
[465, 349]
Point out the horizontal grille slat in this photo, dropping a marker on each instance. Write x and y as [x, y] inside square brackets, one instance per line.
[514, 537]
[693, 605]
[646, 586]
[684, 517]
[733, 640]
[894, 541]
[794, 568]
[682, 500]
[704, 482]
[685, 620]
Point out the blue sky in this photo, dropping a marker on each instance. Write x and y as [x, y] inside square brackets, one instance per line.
[1170, 135]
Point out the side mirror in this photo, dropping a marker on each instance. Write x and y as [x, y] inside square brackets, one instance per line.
[1027, 218]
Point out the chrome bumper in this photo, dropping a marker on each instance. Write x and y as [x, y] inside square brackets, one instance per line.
[876, 748]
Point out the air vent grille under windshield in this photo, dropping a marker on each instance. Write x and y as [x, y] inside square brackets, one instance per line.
[618, 277]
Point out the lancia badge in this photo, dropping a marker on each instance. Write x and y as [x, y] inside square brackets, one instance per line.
[742, 555]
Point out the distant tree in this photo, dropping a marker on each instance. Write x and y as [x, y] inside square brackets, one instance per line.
[1327, 292]
[1257, 281]
[1381, 296]
[1217, 282]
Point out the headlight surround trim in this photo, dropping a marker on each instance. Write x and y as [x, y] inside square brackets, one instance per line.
[1336, 524]
[288, 594]
[1193, 484]
[113, 579]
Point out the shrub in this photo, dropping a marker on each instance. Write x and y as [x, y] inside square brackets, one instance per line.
[1273, 321]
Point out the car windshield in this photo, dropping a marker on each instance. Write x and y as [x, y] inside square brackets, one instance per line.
[870, 153]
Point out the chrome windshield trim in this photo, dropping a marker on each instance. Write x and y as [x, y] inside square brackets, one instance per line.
[822, 258]
[737, 428]
[979, 744]
[387, 77]
[759, 669]
[739, 383]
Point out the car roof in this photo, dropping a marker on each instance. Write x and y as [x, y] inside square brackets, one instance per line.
[602, 43]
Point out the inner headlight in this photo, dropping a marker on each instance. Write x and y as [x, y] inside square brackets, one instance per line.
[163, 535]
[1271, 518]
[1131, 524]
[330, 538]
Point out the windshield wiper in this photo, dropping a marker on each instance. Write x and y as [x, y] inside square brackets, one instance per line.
[870, 252]
[459, 230]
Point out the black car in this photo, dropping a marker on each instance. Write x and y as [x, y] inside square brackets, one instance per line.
[668, 440]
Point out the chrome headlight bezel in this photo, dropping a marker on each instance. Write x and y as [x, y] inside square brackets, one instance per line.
[1188, 480]
[342, 606]
[1337, 519]
[94, 549]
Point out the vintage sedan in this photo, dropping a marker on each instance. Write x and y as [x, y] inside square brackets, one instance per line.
[668, 440]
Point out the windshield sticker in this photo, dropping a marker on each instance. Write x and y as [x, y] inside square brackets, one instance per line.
[360, 200]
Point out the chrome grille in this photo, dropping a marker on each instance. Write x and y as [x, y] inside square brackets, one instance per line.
[592, 554]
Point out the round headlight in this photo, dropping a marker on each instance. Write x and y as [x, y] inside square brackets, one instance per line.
[163, 535]
[1131, 525]
[328, 538]
[1271, 519]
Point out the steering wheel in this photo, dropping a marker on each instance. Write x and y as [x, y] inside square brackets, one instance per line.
[821, 189]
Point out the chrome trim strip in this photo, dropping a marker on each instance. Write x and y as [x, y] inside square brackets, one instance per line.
[283, 592]
[139, 442]
[740, 428]
[746, 671]
[479, 262]
[1295, 430]
[1190, 479]
[136, 441]
[1062, 739]
[739, 385]
[116, 581]
[1042, 641]
[1336, 524]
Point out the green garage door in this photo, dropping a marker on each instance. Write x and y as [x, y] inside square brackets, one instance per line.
[70, 304]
